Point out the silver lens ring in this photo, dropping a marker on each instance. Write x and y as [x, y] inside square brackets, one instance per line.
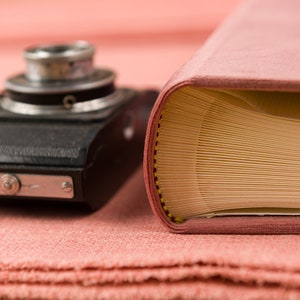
[70, 51]
[99, 104]
[59, 61]
[99, 78]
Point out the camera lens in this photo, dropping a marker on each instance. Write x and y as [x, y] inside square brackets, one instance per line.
[56, 49]
[59, 62]
[60, 79]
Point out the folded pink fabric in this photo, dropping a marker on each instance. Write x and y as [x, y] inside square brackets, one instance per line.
[122, 252]
[255, 49]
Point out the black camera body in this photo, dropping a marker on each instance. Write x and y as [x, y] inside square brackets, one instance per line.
[66, 132]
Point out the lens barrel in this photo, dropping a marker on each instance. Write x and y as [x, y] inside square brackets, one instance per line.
[59, 61]
[59, 79]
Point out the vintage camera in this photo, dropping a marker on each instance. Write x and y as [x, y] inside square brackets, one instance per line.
[66, 132]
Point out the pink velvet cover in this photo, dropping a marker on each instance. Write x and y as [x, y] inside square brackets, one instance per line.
[122, 251]
[256, 48]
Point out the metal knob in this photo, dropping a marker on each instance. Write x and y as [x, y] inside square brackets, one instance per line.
[9, 184]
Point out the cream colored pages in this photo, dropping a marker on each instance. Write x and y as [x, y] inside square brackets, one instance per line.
[228, 152]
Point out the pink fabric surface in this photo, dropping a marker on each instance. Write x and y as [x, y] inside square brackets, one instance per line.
[255, 48]
[122, 251]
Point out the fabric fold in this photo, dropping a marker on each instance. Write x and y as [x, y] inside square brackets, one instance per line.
[55, 253]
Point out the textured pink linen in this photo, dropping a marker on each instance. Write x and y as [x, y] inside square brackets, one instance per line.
[121, 252]
[256, 48]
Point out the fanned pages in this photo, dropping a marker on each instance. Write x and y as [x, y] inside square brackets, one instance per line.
[222, 148]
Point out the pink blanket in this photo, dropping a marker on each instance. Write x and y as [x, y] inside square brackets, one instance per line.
[121, 251]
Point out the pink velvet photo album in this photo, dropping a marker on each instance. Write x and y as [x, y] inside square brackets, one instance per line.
[222, 147]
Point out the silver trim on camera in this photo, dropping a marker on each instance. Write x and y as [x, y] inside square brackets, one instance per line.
[21, 84]
[67, 106]
[36, 185]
